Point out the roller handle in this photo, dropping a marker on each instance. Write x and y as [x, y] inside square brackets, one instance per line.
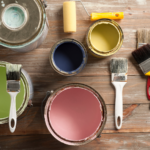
[109, 15]
[118, 103]
[12, 113]
[148, 86]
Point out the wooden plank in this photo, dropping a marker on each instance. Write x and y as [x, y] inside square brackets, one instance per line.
[133, 92]
[135, 120]
[31, 131]
[106, 142]
[38, 62]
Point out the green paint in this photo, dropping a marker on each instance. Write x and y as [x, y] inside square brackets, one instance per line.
[14, 17]
[5, 97]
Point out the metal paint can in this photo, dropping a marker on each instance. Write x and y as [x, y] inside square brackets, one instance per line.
[104, 38]
[68, 57]
[28, 95]
[23, 24]
[78, 109]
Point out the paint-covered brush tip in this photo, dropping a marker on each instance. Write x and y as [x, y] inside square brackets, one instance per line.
[119, 65]
[13, 71]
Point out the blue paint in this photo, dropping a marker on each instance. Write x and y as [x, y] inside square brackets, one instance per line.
[69, 57]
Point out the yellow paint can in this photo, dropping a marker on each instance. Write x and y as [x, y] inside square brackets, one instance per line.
[104, 38]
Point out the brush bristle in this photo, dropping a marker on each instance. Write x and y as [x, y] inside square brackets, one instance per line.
[142, 53]
[119, 65]
[13, 71]
[143, 36]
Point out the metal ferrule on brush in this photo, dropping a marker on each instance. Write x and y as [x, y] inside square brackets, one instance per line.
[13, 86]
[140, 45]
[145, 66]
[119, 77]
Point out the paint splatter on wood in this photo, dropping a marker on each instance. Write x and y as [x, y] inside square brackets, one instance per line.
[128, 111]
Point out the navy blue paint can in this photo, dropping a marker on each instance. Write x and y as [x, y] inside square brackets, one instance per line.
[68, 57]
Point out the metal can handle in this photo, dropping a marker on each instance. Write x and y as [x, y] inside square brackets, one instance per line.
[45, 3]
[48, 93]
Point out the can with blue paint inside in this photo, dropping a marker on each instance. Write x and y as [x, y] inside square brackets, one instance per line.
[68, 57]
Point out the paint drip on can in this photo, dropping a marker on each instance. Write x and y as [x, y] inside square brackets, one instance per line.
[23, 24]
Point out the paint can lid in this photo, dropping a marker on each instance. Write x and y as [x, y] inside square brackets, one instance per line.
[21, 20]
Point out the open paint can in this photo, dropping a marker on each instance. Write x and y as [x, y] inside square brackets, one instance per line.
[75, 114]
[23, 99]
[68, 57]
[104, 38]
[23, 24]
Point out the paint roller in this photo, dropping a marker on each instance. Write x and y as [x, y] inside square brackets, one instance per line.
[69, 15]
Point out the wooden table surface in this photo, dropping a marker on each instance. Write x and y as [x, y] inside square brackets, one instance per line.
[31, 132]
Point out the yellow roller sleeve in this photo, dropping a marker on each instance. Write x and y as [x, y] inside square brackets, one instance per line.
[109, 15]
[69, 16]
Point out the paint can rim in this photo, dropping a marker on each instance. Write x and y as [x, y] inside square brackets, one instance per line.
[102, 54]
[58, 70]
[89, 139]
[42, 11]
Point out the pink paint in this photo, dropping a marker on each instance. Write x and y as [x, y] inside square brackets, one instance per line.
[75, 114]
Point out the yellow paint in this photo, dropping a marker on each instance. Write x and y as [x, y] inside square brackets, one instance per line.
[148, 73]
[69, 16]
[97, 52]
[104, 37]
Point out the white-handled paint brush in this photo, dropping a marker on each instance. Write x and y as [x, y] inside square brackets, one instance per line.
[119, 69]
[13, 73]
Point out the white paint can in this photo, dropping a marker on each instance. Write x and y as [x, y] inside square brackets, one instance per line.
[23, 24]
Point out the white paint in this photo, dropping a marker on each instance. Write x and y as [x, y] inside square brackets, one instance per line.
[3, 5]
[141, 2]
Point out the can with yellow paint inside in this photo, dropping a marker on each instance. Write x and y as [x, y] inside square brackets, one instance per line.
[104, 38]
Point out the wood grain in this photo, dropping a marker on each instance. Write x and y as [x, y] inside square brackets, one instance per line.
[136, 121]
[115, 141]
[31, 131]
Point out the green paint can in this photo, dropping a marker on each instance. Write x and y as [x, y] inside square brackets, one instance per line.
[23, 98]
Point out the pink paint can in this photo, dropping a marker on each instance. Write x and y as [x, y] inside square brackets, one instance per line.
[75, 114]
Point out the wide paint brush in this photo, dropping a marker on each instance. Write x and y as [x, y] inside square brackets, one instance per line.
[13, 73]
[119, 69]
[142, 57]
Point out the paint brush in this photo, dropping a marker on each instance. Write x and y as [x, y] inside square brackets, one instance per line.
[119, 69]
[13, 73]
[142, 57]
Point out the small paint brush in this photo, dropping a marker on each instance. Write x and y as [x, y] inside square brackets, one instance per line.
[13, 73]
[119, 69]
[143, 37]
[142, 57]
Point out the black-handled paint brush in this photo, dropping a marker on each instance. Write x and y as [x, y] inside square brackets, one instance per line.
[142, 57]
[13, 73]
[142, 54]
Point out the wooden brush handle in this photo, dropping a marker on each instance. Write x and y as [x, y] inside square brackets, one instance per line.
[148, 86]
